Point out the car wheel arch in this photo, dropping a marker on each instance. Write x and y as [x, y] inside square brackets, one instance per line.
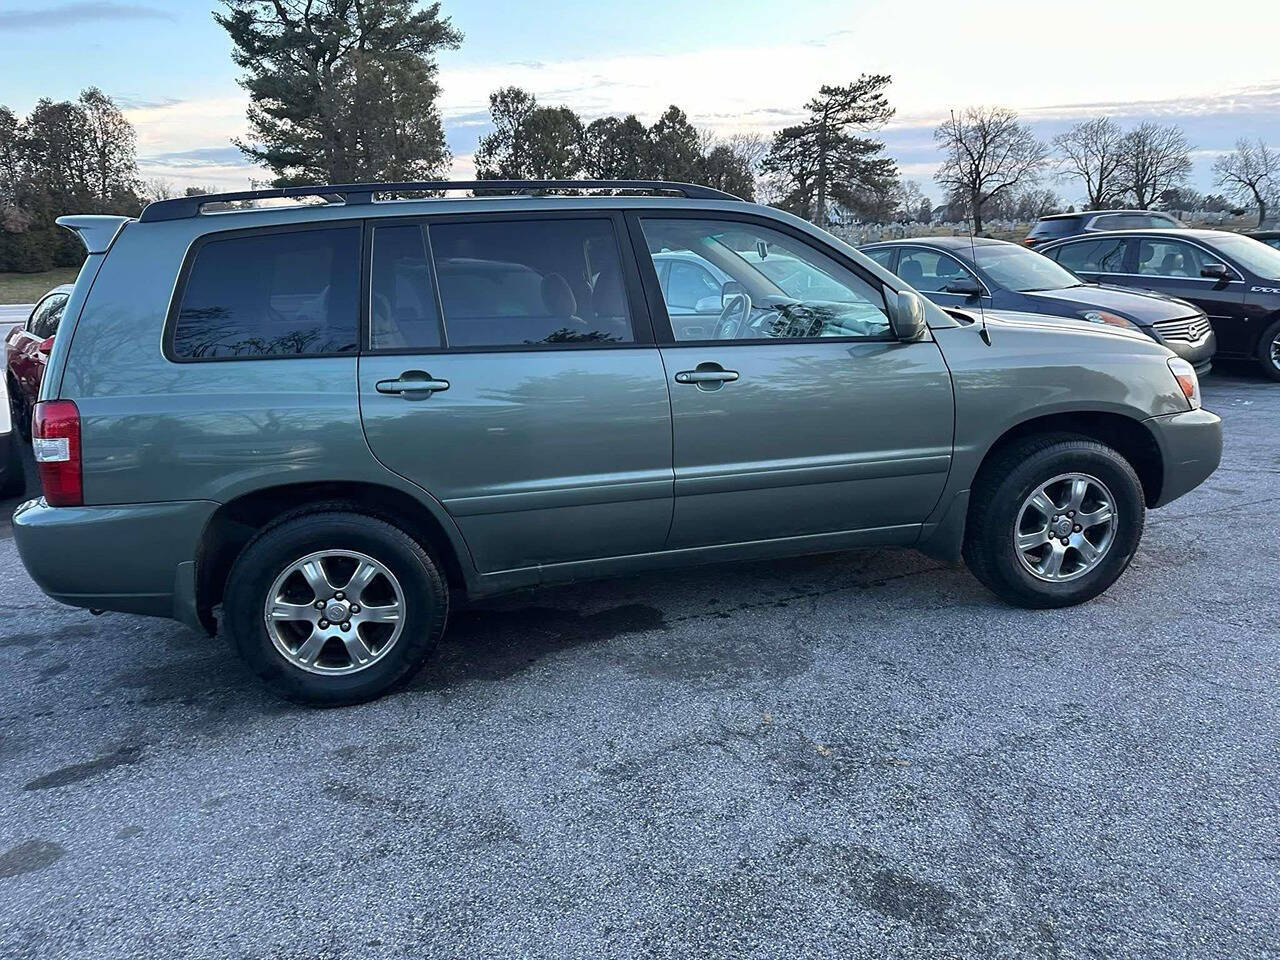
[1128, 436]
[236, 522]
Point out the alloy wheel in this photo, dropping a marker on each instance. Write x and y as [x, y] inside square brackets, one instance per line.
[334, 612]
[1065, 527]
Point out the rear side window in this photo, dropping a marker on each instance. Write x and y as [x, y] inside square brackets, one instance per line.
[530, 282]
[1045, 229]
[276, 294]
[46, 317]
[1092, 256]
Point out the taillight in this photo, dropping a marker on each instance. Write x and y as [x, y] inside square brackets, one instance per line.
[55, 441]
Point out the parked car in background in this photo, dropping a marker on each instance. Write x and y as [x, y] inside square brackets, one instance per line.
[1058, 226]
[1232, 278]
[26, 353]
[1270, 237]
[326, 420]
[996, 274]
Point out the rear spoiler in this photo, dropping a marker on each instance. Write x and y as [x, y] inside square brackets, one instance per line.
[95, 232]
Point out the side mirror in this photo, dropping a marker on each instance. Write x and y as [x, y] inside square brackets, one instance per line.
[731, 289]
[45, 346]
[965, 286]
[709, 305]
[906, 315]
[1215, 271]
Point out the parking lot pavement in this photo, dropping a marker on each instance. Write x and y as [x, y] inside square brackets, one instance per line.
[850, 755]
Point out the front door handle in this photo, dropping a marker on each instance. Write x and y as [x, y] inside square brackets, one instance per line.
[412, 385]
[708, 373]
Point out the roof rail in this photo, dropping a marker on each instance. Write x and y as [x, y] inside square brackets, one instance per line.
[180, 208]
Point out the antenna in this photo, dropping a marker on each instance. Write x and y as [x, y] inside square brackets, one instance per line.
[983, 332]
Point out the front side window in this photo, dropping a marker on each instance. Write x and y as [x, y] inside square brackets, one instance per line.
[1171, 258]
[46, 317]
[1093, 256]
[775, 288]
[277, 294]
[530, 283]
[1260, 258]
[881, 255]
[929, 271]
[692, 288]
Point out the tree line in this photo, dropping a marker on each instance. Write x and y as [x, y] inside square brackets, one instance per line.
[70, 156]
[348, 90]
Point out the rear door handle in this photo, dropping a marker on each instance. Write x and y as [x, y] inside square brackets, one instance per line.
[412, 385]
[706, 376]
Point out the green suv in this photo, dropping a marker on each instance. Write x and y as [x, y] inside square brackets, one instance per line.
[320, 424]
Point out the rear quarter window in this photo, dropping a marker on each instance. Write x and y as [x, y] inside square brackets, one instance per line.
[270, 294]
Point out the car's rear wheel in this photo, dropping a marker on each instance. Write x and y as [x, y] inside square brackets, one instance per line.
[335, 608]
[1269, 351]
[1053, 521]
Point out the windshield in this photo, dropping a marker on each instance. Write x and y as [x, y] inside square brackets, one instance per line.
[1251, 254]
[1022, 270]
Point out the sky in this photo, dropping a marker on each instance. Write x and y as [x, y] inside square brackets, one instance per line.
[732, 65]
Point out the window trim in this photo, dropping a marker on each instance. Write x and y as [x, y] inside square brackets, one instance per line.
[641, 322]
[1131, 257]
[188, 262]
[986, 289]
[663, 329]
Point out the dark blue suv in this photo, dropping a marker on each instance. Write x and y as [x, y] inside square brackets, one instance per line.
[994, 274]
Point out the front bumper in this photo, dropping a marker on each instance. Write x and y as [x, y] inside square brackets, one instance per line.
[1198, 354]
[1191, 448]
[135, 557]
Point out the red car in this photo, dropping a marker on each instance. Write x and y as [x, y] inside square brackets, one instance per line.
[26, 351]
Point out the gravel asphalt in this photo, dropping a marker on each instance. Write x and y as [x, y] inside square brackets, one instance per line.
[841, 756]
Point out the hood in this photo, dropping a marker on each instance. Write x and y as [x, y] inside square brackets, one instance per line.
[1143, 309]
[1052, 324]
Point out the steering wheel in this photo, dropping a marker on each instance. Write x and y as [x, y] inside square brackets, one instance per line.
[736, 312]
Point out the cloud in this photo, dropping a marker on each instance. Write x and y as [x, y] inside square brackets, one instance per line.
[70, 14]
[200, 157]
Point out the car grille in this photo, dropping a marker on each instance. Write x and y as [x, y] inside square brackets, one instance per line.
[1190, 329]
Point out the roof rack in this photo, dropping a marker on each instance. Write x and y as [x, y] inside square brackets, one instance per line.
[180, 208]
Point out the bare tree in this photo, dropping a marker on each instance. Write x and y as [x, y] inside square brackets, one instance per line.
[1092, 152]
[1251, 172]
[1155, 159]
[988, 153]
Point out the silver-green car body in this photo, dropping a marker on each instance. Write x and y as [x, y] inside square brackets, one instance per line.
[553, 464]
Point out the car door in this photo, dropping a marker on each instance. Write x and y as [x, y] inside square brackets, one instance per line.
[798, 417]
[1173, 267]
[508, 371]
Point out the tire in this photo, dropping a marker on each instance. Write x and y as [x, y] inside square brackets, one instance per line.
[1001, 506]
[345, 543]
[1269, 351]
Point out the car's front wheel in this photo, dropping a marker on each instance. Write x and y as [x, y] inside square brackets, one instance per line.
[334, 608]
[1053, 521]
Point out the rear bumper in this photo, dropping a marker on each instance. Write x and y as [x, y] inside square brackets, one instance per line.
[1191, 448]
[135, 558]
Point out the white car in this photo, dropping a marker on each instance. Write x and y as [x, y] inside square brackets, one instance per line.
[12, 481]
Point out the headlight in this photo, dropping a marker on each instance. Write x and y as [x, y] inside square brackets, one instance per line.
[1185, 374]
[1111, 319]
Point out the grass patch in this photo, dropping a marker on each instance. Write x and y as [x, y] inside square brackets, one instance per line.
[30, 287]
